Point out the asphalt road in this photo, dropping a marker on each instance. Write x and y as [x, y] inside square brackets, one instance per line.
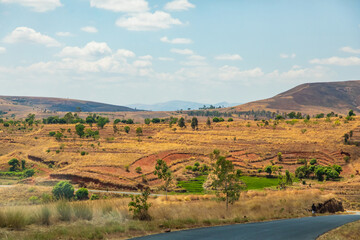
[289, 229]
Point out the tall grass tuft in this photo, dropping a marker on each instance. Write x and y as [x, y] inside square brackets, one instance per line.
[64, 210]
[83, 211]
[15, 219]
[2, 220]
[45, 215]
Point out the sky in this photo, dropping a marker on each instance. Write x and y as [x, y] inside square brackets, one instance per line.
[149, 51]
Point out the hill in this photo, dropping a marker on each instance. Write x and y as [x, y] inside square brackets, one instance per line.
[312, 98]
[177, 105]
[16, 103]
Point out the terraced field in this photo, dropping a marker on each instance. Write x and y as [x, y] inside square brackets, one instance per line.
[113, 160]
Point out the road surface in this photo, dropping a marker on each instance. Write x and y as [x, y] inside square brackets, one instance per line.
[294, 229]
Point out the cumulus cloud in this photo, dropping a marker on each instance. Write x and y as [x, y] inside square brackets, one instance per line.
[182, 51]
[176, 40]
[179, 5]
[29, 35]
[234, 73]
[166, 59]
[125, 53]
[121, 5]
[349, 61]
[350, 50]
[89, 29]
[2, 50]
[231, 57]
[92, 49]
[284, 55]
[63, 34]
[37, 5]
[147, 21]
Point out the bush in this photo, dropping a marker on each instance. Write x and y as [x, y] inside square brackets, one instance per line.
[82, 194]
[230, 120]
[140, 207]
[34, 199]
[94, 197]
[127, 129]
[138, 169]
[83, 211]
[29, 173]
[64, 210]
[51, 134]
[313, 161]
[64, 190]
[83, 153]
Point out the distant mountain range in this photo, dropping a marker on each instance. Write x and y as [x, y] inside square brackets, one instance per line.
[312, 98]
[178, 105]
[58, 104]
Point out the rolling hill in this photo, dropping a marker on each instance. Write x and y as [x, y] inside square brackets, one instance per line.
[56, 105]
[312, 98]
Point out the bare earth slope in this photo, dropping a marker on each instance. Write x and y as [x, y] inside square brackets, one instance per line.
[57, 104]
[312, 98]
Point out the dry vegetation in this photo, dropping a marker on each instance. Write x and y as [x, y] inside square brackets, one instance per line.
[350, 231]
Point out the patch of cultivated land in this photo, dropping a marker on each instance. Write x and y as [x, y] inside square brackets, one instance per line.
[110, 162]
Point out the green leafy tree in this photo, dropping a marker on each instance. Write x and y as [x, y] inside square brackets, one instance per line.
[63, 189]
[351, 113]
[82, 194]
[102, 121]
[140, 207]
[58, 136]
[69, 117]
[79, 129]
[164, 173]
[29, 173]
[127, 129]
[181, 122]
[268, 170]
[14, 164]
[288, 178]
[194, 123]
[23, 164]
[227, 180]
[280, 157]
[147, 121]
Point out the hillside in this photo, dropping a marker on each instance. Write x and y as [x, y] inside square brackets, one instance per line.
[16, 103]
[312, 98]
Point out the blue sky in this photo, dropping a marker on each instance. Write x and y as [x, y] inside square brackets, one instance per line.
[147, 51]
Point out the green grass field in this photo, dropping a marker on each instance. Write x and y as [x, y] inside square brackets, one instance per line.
[253, 183]
[258, 183]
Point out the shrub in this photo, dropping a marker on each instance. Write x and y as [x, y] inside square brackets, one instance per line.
[230, 119]
[82, 194]
[138, 169]
[127, 168]
[140, 207]
[34, 199]
[14, 164]
[64, 190]
[46, 198]
[94, 197]
[139, 131]
[29, 173]
[83, 153]
[83, 211]
[64, 210]
[313, 161]
[51, 134]
[127, 129]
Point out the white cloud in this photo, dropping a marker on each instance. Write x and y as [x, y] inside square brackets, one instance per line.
[304, 74]
[63, 34]
[234, 73]
[284, 55]
[182, 51]
[147, 21]
[176, 40]
[2, 50]
[92, 49]
[197, 58]
[179, 5]
[166, 59]
[89, 29]
[37, 5]
[121, 5]
[142, 63]
[231, 57]
[350, 50]
[125, 53]
[146, 57]
[350, 61]
[25, 34]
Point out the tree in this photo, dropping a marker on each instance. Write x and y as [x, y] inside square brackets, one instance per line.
[140, 207]
[116, 121]
[280, 158]
[79, 128]
[69, 117]
[30, 119]
[181, 122]
[101, 122]
[58, 135]
[14, 164]
[351, 113]
[63, 189]
[127, 129]
[288, 178]
[90, 119]
[208, 122]
[194, 123]
[147, 121]
[268, 169]
[23, 164]
[164, 173]
[227, 180]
